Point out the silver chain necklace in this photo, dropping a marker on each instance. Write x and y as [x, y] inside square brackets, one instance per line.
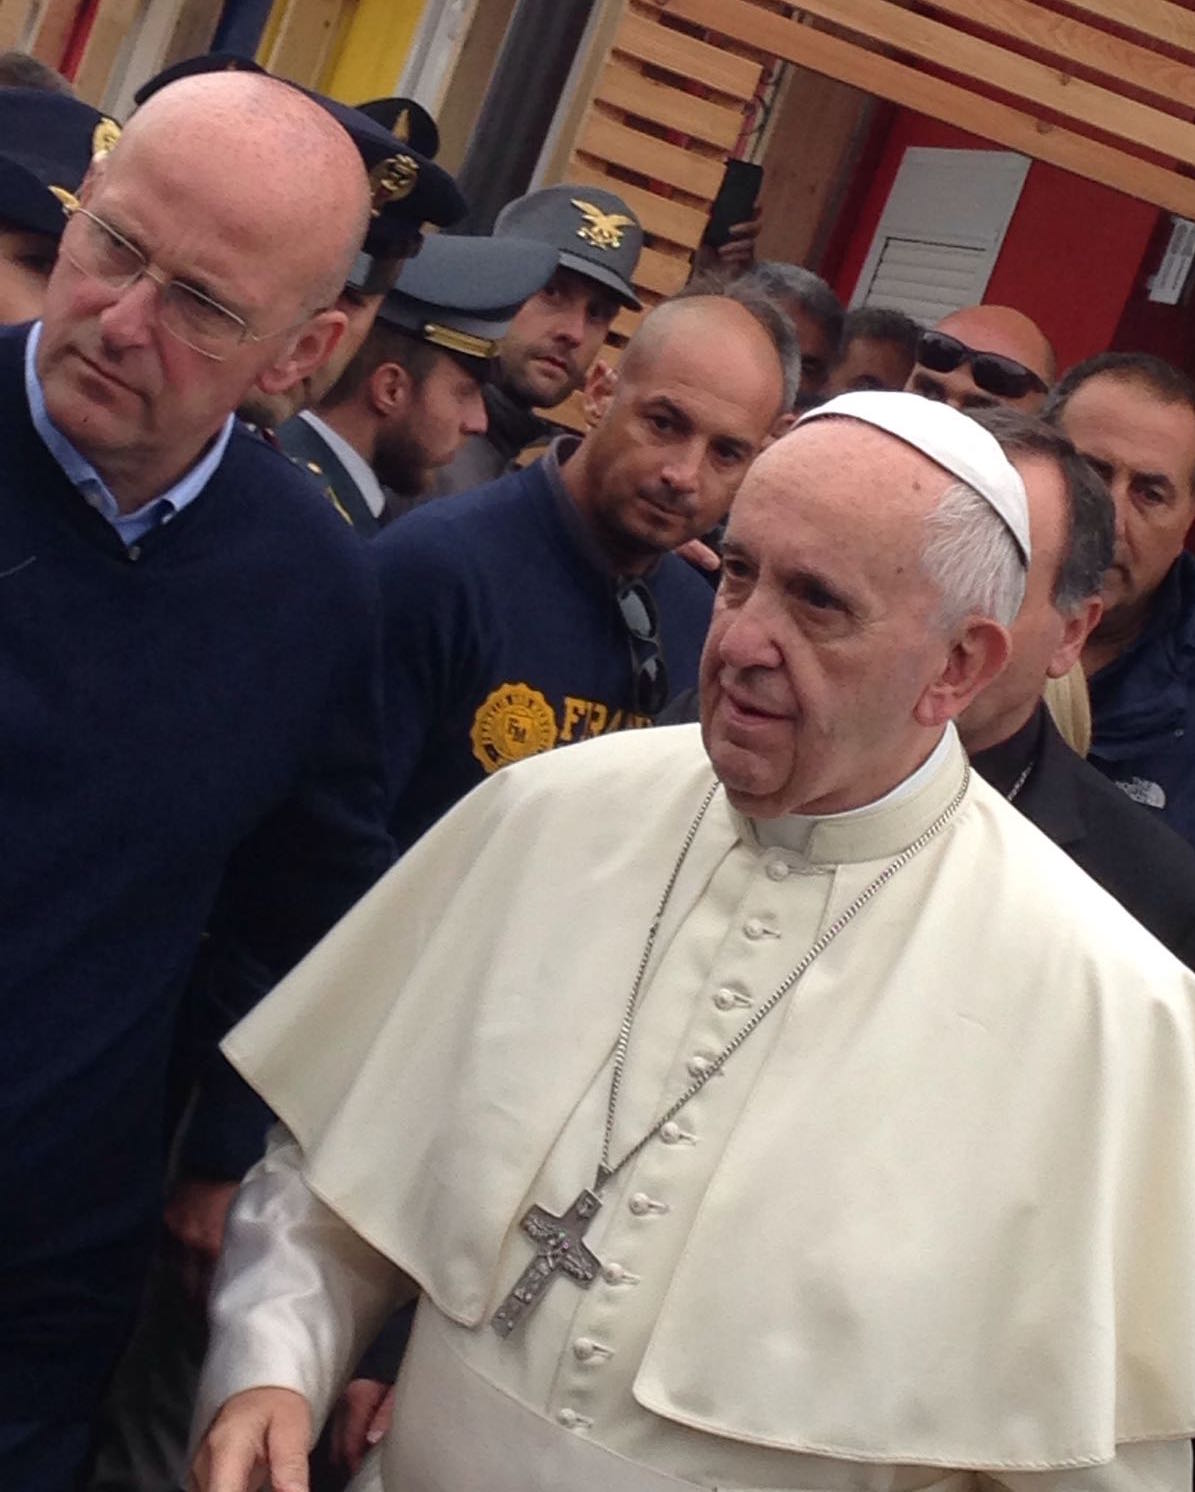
[558, 1239]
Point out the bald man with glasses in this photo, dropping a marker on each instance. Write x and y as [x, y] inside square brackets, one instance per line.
[190, 721]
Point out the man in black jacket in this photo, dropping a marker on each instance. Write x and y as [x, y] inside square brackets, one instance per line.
[1011, 739]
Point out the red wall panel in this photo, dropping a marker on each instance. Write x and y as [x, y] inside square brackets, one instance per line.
[1071, 257]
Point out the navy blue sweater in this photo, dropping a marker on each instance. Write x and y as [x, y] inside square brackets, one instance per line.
[191, 741]
[503, 638]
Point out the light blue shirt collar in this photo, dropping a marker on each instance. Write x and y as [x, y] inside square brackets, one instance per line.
[88, 482]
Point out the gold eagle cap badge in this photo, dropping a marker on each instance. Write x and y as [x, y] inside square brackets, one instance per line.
[103, 137]
[391, 180]
[603, 230]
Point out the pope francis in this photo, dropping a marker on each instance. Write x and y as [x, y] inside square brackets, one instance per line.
[770, 1107]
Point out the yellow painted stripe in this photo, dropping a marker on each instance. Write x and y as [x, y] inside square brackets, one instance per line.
[373, 50]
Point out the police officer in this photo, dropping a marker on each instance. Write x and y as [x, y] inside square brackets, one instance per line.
[553, 340]
[47, 141]
[414, 391]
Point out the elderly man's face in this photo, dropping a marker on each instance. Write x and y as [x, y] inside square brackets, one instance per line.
[825, 633]
[1145, 451]
[117, 383]
[26, 260]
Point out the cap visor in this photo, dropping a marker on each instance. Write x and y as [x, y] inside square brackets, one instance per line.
[606, 277]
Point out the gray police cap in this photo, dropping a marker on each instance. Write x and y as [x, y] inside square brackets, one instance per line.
[595, 232]
[462, 293]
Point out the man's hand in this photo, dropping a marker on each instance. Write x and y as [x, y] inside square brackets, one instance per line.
[699, 555]
[361, 1417]
[735, 256]
[258, 1439]
[195, 1215]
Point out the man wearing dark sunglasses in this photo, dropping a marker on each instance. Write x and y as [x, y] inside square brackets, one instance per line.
[982, 356]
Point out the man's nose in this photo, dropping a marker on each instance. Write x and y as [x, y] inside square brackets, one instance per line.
[745, 639]
[683, 468]
[474, 420]
[128, 319]
[568, 326]
[1119, 488]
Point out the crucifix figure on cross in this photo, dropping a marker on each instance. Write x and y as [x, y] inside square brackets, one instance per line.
[559, 1250]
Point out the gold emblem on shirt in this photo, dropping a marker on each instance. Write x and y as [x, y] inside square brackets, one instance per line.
[602, 229]
[513, 722]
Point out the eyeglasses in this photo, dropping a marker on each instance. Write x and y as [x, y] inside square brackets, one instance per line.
[98, 251]
[993, 373]
[649, 679]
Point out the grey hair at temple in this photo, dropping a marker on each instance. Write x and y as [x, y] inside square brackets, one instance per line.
[972, 559]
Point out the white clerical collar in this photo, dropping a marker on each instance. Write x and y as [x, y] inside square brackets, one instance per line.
[791, 830]
[352, 460]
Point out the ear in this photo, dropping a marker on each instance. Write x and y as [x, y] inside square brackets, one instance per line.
[600, 383]
[1079, 625]
[977, 653]
[390, 389]
[782, 424]
[308, 349]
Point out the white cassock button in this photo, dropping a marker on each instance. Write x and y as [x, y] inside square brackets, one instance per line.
[583, 1349]
[640, 1204]
[725, 999]
[698, 1065]
[613, 1274]
[754, 928]
[670, 1132]
[777, 870]
[567, 1418]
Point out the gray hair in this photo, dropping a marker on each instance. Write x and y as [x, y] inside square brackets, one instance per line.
[972, 559]
[1091, 514]
[770, 315]
[793, 282]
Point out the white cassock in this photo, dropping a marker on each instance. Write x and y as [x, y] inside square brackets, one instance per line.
[933, 1225]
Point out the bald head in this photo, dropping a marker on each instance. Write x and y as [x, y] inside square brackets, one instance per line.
[283, 171]
[752, 323]
[1016, 342]
[698, 389]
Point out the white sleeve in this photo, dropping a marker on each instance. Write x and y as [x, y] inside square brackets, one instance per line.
[297, 1294]
[1147, 1466]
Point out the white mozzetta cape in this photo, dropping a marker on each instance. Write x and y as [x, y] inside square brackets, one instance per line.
[966, 1167]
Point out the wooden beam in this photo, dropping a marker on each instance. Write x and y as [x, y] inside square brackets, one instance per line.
[699, 175]
[111, 26]
[901, 84]
[997, 122]
[52, 30]
[646, 40]
[945, 46]
[304, 40]
[1161, 19]
[664, 273]
[1074, 42]
[659, 216]
[624, 88]
[13, 17]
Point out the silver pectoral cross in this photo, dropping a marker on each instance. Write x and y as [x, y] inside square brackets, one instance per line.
[559, 1250]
